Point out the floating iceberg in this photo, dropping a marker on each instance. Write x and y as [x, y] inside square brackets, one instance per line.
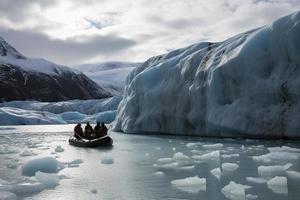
[273, 170]
[278, 185]
[235, 191]
[190, 184]
[46, 164]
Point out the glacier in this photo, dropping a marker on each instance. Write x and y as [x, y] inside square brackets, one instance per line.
[245, 86]
[72, 111]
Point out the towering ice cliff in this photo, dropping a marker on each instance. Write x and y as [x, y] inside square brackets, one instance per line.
[248, 85]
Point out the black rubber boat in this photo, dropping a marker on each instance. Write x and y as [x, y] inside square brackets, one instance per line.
[103, 141]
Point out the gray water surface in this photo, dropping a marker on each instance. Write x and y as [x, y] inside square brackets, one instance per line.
[129, 169]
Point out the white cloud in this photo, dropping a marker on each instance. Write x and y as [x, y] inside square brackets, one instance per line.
[155, 26]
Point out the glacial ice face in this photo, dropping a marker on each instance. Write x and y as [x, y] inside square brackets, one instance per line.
[246, 86]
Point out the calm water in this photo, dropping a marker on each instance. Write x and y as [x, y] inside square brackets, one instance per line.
[132, 175]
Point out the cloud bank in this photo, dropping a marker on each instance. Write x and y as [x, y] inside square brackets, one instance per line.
[72, 32]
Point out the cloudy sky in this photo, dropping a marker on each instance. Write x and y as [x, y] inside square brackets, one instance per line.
[87, 31]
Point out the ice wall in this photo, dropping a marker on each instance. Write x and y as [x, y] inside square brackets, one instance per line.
[248, 85]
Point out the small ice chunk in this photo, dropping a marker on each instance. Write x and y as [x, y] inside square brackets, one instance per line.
[235, 155]
[174, 148]
[165, 160]
[47, 179]
[76, 161]
[229, 167]
[196, 151]
[157, 148]
[251, 196]
[235, 191]
[213, 146]
[216, 172]
[214, 155]
[276, 156]
[181, 158]
[258, 180]
[107, 160]
[94, 191]
[26, 153]
[273, 170]
[193, 144]
[46, 164]
[27, 188]
[59, 149]
[159, 173]
[278, 185]
[186, 168]
[243, 147]
[147, 154]
[190, 184]
[6, 195]
[284, 149]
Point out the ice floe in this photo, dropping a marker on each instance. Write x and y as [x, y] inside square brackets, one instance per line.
[27, 153]
[190, 184]
[229, 167]
[49, 180]
[213, 146]
[46, 164]
[59, 149]
[216, 172]
[273, 170]
[235, 191]
[278, 185]
[276, 156]
[257, 180]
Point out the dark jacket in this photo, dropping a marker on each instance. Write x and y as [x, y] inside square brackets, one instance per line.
[97, 130]
[78, 133]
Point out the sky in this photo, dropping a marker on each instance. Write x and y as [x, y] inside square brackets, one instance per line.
[73, 32]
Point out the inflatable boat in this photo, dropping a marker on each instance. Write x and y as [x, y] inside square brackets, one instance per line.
[103, 141]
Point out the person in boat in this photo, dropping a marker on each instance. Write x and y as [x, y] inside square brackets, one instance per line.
[78, 133]
[88, 130]
[97, 130]
[103, 130]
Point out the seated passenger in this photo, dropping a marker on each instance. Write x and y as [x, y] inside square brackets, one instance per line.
[103, 130]
[88, 130]
[78, 133]
[97, 130]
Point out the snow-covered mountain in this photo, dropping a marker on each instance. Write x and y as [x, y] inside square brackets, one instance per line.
[27, 78]
[110, 75]
[248, 85]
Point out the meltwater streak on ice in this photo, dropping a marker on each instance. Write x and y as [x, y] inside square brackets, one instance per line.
[142, 167]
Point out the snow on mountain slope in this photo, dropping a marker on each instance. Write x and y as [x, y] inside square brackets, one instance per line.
[110, 75]
[246, 86]
[24, 78]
